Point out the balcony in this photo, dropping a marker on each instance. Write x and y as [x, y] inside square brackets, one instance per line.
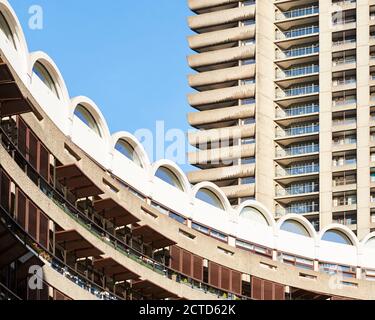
[343, 163]
[298, 189]
[297, 150]
[296, 13]
[299, 208]
[297, 91]
[344, 43]
[296, 33]
[298, 170]
[297, 71]
[299, 110]
[297, 52]
[344, 83]
[348, 101]
[297, 131]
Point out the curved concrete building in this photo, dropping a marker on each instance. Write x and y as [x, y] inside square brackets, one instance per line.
[85, 214]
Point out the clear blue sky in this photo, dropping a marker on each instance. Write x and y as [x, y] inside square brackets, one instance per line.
[128, 56]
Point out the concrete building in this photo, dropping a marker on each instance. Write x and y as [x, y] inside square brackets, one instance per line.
[99, 221]
[290, 82]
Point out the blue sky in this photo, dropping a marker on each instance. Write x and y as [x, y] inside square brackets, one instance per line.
[128, 56]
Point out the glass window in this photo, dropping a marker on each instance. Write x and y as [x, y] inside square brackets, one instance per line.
[86, 117]
[43, 74]
[336, 236]
[370, 243]
[254, 215]
[210, 198]
[5, 28]
[295, 227]
[128, 151]
[169, 177]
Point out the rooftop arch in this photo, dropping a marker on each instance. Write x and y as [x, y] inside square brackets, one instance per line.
[17, 39]
[223, 202]
[94, 111]
[369, 241]
[260, 208]
[171, 173]
[296, 224]
[44, 67]
[133, 142]
[339, 234]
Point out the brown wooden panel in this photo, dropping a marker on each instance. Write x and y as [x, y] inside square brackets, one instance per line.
[176, 258]
[225, 278]
[4, 191]
[33, 150]
[198, 268]
[21, 209]
[268, 290]
[22, 132]
[256, 288]
[186, 263]
[213, 274]
[32, 220]
[43, 162]
[43, 230]
[236, 282]
[279, 292]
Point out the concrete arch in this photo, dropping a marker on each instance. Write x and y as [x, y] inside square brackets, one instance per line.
[94, 110]
[216, 190]
[258, 206]
[299, 219]
[137, 146]
[173, 167]
[366, 239]
[54, 71]
[17, 31]
[340, 228]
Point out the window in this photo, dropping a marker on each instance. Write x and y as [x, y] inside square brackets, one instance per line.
[370, 243]
[86, 117]
[43, 74]
[295, 227]
[337, 237]
[169, 177]
[128, 151]
[209, 197]
[253, 215]
[5, 28]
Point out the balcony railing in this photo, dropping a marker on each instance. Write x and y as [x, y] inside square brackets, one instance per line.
[344, 162]
[344, 41]
[343, 122]
[298, 91]
[296, 208]
[344, 82]
[298, 189]
[297, 170]
[297, 52]
[297, 150]
[311, 128]
[299, 110]
[344, 141]
[344, 101]
[295, 13]
[342, 61]
[295, 72]
[294, 33]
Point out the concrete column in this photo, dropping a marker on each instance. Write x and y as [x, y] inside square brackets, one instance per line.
[325, 117]
[363, 119]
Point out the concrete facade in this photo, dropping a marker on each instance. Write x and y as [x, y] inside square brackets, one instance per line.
[304, 71]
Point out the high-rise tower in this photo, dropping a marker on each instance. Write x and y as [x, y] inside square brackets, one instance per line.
[290, 84]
